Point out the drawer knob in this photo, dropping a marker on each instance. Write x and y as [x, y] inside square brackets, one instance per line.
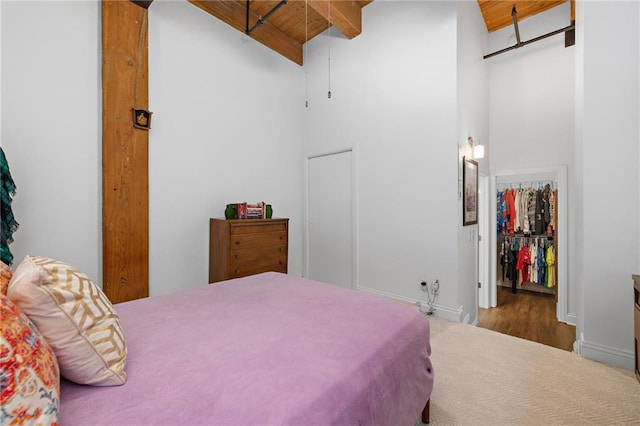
[237, 256]
[237, 271]
[237, 242]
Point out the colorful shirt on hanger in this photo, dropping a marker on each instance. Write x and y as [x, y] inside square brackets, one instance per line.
[550, 277]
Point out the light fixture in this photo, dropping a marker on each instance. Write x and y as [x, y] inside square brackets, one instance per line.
[476, 147]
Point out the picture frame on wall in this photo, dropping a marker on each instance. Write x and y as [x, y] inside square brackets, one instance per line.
[469, 191]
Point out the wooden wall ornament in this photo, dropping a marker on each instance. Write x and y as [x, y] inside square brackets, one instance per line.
[141, 118]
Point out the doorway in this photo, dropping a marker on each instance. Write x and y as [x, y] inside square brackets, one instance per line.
[513, 309]
[330, 223]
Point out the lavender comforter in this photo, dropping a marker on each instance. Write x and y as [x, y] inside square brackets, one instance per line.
[270, 349]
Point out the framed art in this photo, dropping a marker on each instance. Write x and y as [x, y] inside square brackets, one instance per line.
[470, 192]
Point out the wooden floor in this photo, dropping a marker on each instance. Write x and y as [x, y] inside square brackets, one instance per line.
[528, 315]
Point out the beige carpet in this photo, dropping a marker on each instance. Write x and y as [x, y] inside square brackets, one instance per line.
[486, 378]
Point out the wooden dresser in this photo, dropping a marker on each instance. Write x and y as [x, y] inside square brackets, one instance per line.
[636, 316]
[242, 247]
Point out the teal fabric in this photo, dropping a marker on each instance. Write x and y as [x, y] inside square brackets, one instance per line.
[9, 224]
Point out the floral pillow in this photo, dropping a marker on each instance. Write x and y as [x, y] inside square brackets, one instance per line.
[5, 277]
[29, 375]
[75, 317]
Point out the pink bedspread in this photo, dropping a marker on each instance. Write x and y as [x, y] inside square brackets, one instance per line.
[270, 349]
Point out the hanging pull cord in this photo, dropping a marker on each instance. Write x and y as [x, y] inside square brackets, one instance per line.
[329, 61]
[306, 50]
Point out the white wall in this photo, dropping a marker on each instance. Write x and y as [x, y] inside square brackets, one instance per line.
[532, 110]
[473, 120]
[532, 95]
[227, 127]
[394, 101]
[51, 128]
[610, 150]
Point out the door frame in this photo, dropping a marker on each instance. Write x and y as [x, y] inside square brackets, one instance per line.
[354, 213]
[559, 173]
[484, 205]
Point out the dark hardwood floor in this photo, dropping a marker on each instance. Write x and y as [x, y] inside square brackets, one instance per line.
[528, 315]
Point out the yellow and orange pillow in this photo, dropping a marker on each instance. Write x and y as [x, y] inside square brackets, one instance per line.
[29, 374]
[5, 276]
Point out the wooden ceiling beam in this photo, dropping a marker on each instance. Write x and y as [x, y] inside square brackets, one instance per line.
[345, 15]
[234, 13]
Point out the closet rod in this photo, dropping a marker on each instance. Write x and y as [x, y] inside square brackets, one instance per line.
[528, 184]
[533, 40]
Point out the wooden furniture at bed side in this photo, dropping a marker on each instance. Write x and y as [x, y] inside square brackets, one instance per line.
[425, 412]
[242, 247]
[636, 316]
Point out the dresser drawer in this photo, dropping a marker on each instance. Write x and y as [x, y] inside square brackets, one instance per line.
[266, 239]
[249, 255]
[276, 262]
[247, 226]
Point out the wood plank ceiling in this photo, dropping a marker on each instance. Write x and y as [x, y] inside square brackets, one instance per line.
[285, 31]
[497, 13]
[280, 25]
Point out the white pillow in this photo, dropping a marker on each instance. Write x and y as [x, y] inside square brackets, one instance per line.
[76, 319]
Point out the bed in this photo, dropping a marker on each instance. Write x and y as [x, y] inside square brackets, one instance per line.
[269, 349]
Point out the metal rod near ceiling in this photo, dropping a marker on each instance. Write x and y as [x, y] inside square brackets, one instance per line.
[514, 16]
[262, 19]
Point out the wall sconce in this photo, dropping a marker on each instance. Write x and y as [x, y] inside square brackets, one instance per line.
[476, 147]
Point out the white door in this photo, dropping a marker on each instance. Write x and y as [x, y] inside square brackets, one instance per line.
[330, 219]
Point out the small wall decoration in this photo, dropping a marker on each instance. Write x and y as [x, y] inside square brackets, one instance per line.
[142, 118]
[470, 192]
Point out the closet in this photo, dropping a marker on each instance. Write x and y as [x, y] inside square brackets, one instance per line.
[528, 209]
[526, 224]
[528, 227]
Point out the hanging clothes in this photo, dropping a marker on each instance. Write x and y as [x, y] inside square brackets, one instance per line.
[522, 266]
[546, 199]
[533, 250]
[539, 213]
[511, 211]
[542, 266]
[9, 223]
[553, 197]
[550, 277]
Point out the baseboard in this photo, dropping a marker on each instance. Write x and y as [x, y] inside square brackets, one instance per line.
[572, 319]
[607, 354]
[408, 300]
[450, 314]
[444, 312]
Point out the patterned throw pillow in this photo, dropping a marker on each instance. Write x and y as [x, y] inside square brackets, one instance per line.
[5, 277]
[29, 375]
[76, 319]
